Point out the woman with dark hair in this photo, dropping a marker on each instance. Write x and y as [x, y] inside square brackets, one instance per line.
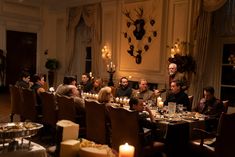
[38, 83]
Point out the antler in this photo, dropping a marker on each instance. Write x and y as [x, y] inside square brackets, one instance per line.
[127, 14]
[140, 12]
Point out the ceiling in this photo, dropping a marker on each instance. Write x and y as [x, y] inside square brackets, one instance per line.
[56, 4]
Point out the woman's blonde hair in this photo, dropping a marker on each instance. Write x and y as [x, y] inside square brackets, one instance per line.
[105, 94]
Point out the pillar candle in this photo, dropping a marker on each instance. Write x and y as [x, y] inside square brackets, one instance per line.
[126, 150]
[159, 99]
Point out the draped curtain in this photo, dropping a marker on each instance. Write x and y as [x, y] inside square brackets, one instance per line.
[91, 15]
[201, 26]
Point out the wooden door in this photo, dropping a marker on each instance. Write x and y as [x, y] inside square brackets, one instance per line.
[21, 54]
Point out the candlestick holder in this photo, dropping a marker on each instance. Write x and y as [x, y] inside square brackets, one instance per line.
[111, 70]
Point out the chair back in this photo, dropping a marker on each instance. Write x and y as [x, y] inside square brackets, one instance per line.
[190, 97]
[29, 105]
[125, 128]
[225, 140]
[226, 104]
[16, 100]
[66, 108]
[49, 111]
[96, 128]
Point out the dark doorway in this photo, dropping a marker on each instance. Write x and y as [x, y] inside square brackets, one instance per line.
[21, 54]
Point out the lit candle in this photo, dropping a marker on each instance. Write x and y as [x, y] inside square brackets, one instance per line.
[159, 99]
[126, 150]
[111, 65]
[160, 104]
[117, 99]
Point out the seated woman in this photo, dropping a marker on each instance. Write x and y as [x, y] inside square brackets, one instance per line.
[105, 95]
[38, 83]
[97, 85]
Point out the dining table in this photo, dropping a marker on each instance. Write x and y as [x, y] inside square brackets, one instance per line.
[22, 148]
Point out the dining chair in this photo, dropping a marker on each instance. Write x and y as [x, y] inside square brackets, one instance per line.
[97, 125]
[66, 108]
[190, 97]
[125, 129]
[226, 104]
[49, 109]
[16, 101]
[223, 144]
[29, 104]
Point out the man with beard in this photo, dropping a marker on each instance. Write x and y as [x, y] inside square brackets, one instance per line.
[124, 90]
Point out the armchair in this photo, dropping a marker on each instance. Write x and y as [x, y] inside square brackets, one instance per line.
[223, 144]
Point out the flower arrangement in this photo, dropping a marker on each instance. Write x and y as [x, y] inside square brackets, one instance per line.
[184, 63]
[52, 64]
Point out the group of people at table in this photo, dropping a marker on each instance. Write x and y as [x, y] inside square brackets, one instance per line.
[208, 105]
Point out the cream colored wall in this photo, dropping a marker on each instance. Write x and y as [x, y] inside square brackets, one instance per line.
[172, 22]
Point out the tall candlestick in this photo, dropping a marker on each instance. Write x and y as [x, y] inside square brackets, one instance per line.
[126, 150]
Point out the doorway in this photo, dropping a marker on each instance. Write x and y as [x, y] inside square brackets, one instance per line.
[21, 54]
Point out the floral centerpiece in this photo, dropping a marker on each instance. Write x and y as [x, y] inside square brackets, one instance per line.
[184, 63]
[52, 64]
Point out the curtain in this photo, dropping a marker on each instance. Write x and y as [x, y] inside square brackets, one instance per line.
[201, 24]
[92, 17]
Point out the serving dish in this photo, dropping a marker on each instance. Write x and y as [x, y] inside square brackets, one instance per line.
[18, 129]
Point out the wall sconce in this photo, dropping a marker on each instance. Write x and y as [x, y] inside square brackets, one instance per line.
[106, 53]
[179, 47]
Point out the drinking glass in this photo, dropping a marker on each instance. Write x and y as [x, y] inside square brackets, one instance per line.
[171, 108]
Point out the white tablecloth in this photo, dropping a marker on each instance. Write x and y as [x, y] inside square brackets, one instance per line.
[35, 150]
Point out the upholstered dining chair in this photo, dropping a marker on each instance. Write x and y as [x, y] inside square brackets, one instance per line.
[190, 97]
[226, 104]
[66, 108]
[49, 109]
[97, 125]
[125, 129]
[29, 104]
[223, 145]
[16, 101]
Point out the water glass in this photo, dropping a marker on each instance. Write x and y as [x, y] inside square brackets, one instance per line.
[171, 108]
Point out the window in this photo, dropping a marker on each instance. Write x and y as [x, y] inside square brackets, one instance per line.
[88, 60]
[228, 73]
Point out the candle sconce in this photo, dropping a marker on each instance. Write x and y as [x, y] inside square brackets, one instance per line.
[111, 68]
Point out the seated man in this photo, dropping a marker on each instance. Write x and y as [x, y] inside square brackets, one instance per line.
[24, 81]
[123, 90]
[177, 95]
[146, 119]
[143, 92]
[69, 83]
[209, 104]
[86, 83]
